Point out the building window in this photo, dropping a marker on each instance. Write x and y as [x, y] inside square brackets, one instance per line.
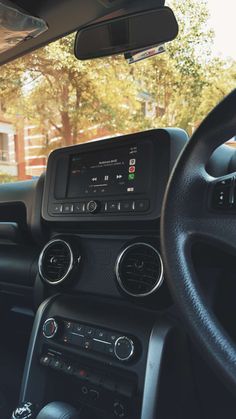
[4, 155]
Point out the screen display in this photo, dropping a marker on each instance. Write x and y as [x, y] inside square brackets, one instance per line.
[124, 170]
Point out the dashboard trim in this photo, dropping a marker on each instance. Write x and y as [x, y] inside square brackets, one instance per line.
[32, 346]
[156, 349]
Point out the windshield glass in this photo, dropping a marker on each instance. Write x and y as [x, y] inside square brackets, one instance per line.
[49, 99]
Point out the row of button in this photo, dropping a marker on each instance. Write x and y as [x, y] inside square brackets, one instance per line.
[56, 364]
[103, 207]
[89, 331]
[89, 338]
[127, 206]
[224, 194]
[84, 374]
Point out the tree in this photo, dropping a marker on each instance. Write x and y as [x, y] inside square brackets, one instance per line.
[217, 87]
[11, 83]
[72, 95]
[177, 78]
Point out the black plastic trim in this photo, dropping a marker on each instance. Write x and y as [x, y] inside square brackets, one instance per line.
[32, 347]
[155, 356]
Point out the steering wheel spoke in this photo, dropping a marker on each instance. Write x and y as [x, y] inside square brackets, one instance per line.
[217, 220]
[223, 194]
[218, 229]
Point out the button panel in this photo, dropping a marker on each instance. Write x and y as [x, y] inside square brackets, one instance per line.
[118, 207]
[224, 194]
[91, 339]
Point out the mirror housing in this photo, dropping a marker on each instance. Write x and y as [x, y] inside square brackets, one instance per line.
[131, 32]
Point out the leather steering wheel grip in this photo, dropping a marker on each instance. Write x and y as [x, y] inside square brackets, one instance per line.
[186, 218]
[58, 410]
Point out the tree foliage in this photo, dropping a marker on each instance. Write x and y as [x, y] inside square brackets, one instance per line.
[71, 95]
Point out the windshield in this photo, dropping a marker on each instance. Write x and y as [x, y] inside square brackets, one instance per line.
[49, 99]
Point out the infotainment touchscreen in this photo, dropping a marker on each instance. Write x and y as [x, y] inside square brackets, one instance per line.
[123, 170]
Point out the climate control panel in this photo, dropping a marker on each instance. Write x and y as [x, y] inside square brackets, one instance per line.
[90, 339]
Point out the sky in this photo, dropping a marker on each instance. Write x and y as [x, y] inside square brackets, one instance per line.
[222, 20]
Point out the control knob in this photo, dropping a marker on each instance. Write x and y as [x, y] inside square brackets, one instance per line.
[93, 206]
[118, 410]
[50, 328]
[124, 348]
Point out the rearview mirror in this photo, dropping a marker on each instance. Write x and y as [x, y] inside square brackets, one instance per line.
[127, 33]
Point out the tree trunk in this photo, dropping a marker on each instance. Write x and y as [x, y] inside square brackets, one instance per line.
[65, 119]
[75, 127]
[66, 129]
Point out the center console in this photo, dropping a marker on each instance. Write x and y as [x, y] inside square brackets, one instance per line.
[99, 364]
[103, 366]
[101, 338]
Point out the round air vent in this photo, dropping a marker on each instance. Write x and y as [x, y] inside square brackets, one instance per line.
[139, 270]
[56, 261]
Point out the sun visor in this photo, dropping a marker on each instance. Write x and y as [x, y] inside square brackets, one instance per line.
[16, 26]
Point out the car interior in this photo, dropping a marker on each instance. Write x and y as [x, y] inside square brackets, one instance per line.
[117, 264]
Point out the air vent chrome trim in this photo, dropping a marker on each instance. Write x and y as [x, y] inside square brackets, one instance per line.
[40, 262]
[119, 280]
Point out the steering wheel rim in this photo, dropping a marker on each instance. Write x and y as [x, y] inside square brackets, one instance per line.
[186, 218]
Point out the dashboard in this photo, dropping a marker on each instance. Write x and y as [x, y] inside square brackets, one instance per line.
[102, 198]
[82, 245]
[103, 186]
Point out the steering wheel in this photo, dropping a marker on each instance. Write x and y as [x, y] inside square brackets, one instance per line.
[189, 214]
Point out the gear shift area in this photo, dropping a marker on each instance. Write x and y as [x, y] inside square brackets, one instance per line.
[54, 410]
[25, 411]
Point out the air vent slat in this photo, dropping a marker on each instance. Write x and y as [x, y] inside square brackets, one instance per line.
[56, 261]
[139, 270]
[138, 282]
[137, 275]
